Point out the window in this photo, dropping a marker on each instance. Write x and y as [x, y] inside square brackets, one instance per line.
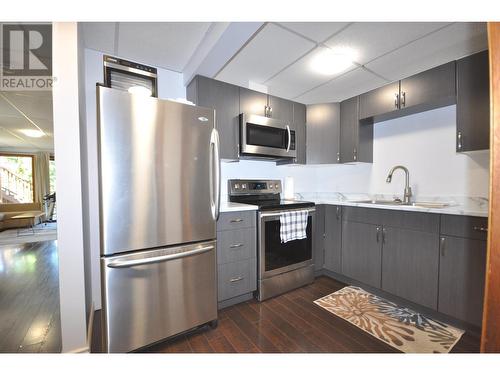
[16, 178]
[52, 174]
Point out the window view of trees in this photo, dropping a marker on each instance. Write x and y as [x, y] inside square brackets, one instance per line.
[16, 179]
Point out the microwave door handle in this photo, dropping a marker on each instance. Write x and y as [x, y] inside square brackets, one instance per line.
[289, 138]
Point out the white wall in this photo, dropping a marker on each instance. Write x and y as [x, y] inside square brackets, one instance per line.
[170, 86]
[425, 144]
[69, 186]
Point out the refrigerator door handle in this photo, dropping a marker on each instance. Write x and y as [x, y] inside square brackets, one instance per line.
[215, 174]
[163, 258]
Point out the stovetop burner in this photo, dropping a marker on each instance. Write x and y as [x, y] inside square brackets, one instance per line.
[266, 194]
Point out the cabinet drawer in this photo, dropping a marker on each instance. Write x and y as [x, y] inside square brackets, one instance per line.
[235, 245]
[237, 278]
[465, 226]
[236, 220]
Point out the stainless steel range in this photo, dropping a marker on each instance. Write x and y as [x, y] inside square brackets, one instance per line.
[281, 266]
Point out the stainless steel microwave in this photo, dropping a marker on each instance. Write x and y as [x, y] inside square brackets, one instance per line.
[266, 137]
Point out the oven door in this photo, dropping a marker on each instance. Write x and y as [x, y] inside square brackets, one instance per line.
[276, 257]
[264, 136]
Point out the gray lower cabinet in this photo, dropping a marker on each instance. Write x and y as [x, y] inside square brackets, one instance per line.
[236, 255]
[319, 237]
[323, 134]
[461, 278]
[333, 238]
[224, 98]
[473, 103]
[362, 252]
[410, 265]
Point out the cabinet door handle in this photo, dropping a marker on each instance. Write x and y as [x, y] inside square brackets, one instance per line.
[396, 100]
[481, 229]
[403, 99]
[270, 111]
[236, 220]
[378, 234]
[459, 136]
[338, 213]
[338, 156]
[236, 279]
[354, 153]
[442, 241]
[236, 245]
[383, 235]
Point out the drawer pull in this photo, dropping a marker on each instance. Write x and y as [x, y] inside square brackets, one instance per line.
[236, 220]
[481, 229]
[236, 279]
[236, 245]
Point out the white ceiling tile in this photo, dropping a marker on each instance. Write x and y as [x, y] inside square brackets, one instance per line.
[169, 45]
[317, 31]
[451, 43]
[369, 40]
[99, 36]
[34, 104]
[346, 86]
[271, 50]
[299, 77]
[8, 140]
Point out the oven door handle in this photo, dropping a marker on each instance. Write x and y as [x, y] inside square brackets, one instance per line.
[289, 138]
[278, 213]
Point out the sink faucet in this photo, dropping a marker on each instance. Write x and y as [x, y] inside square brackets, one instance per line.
[407, 193]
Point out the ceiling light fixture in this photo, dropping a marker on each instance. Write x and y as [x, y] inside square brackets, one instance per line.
[332, 61]
[33, 133]
[140, 90]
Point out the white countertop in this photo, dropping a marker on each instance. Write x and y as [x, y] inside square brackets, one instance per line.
[467, 206]
[234, 207]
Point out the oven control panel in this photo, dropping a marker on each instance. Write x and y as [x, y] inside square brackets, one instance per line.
[240, 187]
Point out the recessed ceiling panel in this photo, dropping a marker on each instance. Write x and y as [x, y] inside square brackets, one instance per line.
[32, 103]
[271, 50]
[317, 31]
[369, 40]
[346, 86]
[169, 45]
[451, 43]
[300, 77]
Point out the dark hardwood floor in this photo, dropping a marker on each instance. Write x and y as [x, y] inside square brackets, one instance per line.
[29, 298]
[290, 323]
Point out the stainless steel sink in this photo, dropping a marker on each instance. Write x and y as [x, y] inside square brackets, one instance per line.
[400, 203]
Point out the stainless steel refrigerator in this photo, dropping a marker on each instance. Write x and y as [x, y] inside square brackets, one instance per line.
[159, 172]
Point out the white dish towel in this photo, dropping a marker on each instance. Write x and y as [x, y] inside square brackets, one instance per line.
[293, 225]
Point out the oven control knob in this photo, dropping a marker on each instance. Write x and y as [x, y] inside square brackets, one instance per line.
[243, 186]
[236, 186]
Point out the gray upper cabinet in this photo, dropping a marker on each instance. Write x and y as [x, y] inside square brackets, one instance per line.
[473, 103]
[430, 89]
[224, 98]
[299, 125]
[356, 138]
[280, 109]
[380, 101]
[253, 102]
[361, 252]
[410, 261]
[323, 134]
[461, 278]
[333, 238]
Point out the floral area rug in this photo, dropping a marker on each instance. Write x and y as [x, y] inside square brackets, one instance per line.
[400, 327]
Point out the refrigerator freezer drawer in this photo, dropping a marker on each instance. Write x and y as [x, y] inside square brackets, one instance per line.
[151, 295]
